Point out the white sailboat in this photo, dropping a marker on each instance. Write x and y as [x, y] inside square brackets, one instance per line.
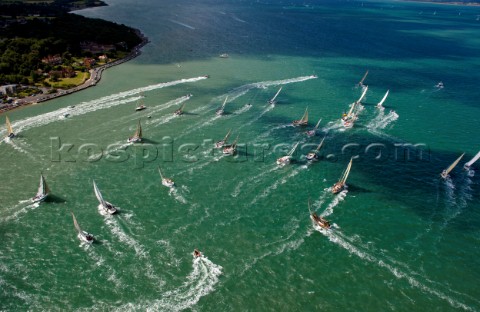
[445, 172]
[137, 136]
[166, 181]
[179, 111]
[379, 105]
[272, 100]
[285, 160]
[220, 111]
[82, 235]
[349, 119]
[340, 185]
[10, 133]
[103, 204]
[140, 106]
[363, 79]
[314, 130]
[314, 155]
[231, 149]
[42, 191]
[363, 95]
[303, 121]
[223, 142]
[471, 162]
[320, 221]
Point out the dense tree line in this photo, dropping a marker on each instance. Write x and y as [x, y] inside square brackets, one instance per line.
[23, 45]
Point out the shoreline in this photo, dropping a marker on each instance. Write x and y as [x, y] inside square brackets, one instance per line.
[95, 76]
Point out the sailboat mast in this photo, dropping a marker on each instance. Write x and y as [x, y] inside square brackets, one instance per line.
[293, 149]
[227, 136]
[383, 99]
[276, 94]
[9, 125]
[320, 145]
[305, 115]
[364, 76]
[318, 124]
[450, 168]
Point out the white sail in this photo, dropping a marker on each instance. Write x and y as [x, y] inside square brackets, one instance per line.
[472, 161]
[318, 124]
[363, 94]
[364, 76]
[450, 168]
[9, 126]
[224, 103]
[275, 96]
[383, 99]
[347, 171]
[75, 223]
[319, 145]
[350, 112]
[99, 195]
[290, 153]
[42, 188]
[227, 136]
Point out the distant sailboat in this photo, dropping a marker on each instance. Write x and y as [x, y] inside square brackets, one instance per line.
[445, 172]
[349, 119]
[363, 79]
[471, 162]
[82, 235]
[104, 205]
[197, 253]
[379, 105]
[179, 111]
[137, 136]
[42, 191]
[272, 100]
[314, 155]
[314, 130]
[303, 121]
[318, 219]
[285, 160]
[10, 133]
[223, 142]
[166, 181]
[220, 111]
[340, 185]
[140, 107]
[231, 149]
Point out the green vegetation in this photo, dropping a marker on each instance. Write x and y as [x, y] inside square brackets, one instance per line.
[43, 44]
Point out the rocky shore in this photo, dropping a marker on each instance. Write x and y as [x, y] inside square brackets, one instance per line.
[95, 76]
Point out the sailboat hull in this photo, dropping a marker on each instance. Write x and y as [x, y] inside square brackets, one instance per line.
[299, 123]
[109, 209]
[312, 156]
[85, 237]
[320, 222]
[337, 188]
[282, 161]
[168, 182]
[39, 198]
[134, 140]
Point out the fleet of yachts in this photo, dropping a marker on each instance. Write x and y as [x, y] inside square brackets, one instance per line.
[347, 121]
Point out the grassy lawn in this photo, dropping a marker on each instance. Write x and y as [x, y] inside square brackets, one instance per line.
[66, 83]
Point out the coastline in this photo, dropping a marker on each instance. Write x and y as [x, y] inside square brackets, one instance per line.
[95, 76]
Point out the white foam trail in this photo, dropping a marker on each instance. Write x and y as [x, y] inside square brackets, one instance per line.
[94, 105]
[182, 24]
[23, 210]
[382, 120]
[337, 238]
[278, 182]
[237, 19]
[177, 195]
[117, 231]
[199, 283]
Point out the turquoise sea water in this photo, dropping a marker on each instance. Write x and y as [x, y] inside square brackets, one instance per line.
[403, 239]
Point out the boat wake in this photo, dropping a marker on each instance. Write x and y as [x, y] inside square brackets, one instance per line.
[199, 283]
[381, 121]
[115, 228]
[411, 277]
[18, 210]
[94, 105]
[178, 193]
